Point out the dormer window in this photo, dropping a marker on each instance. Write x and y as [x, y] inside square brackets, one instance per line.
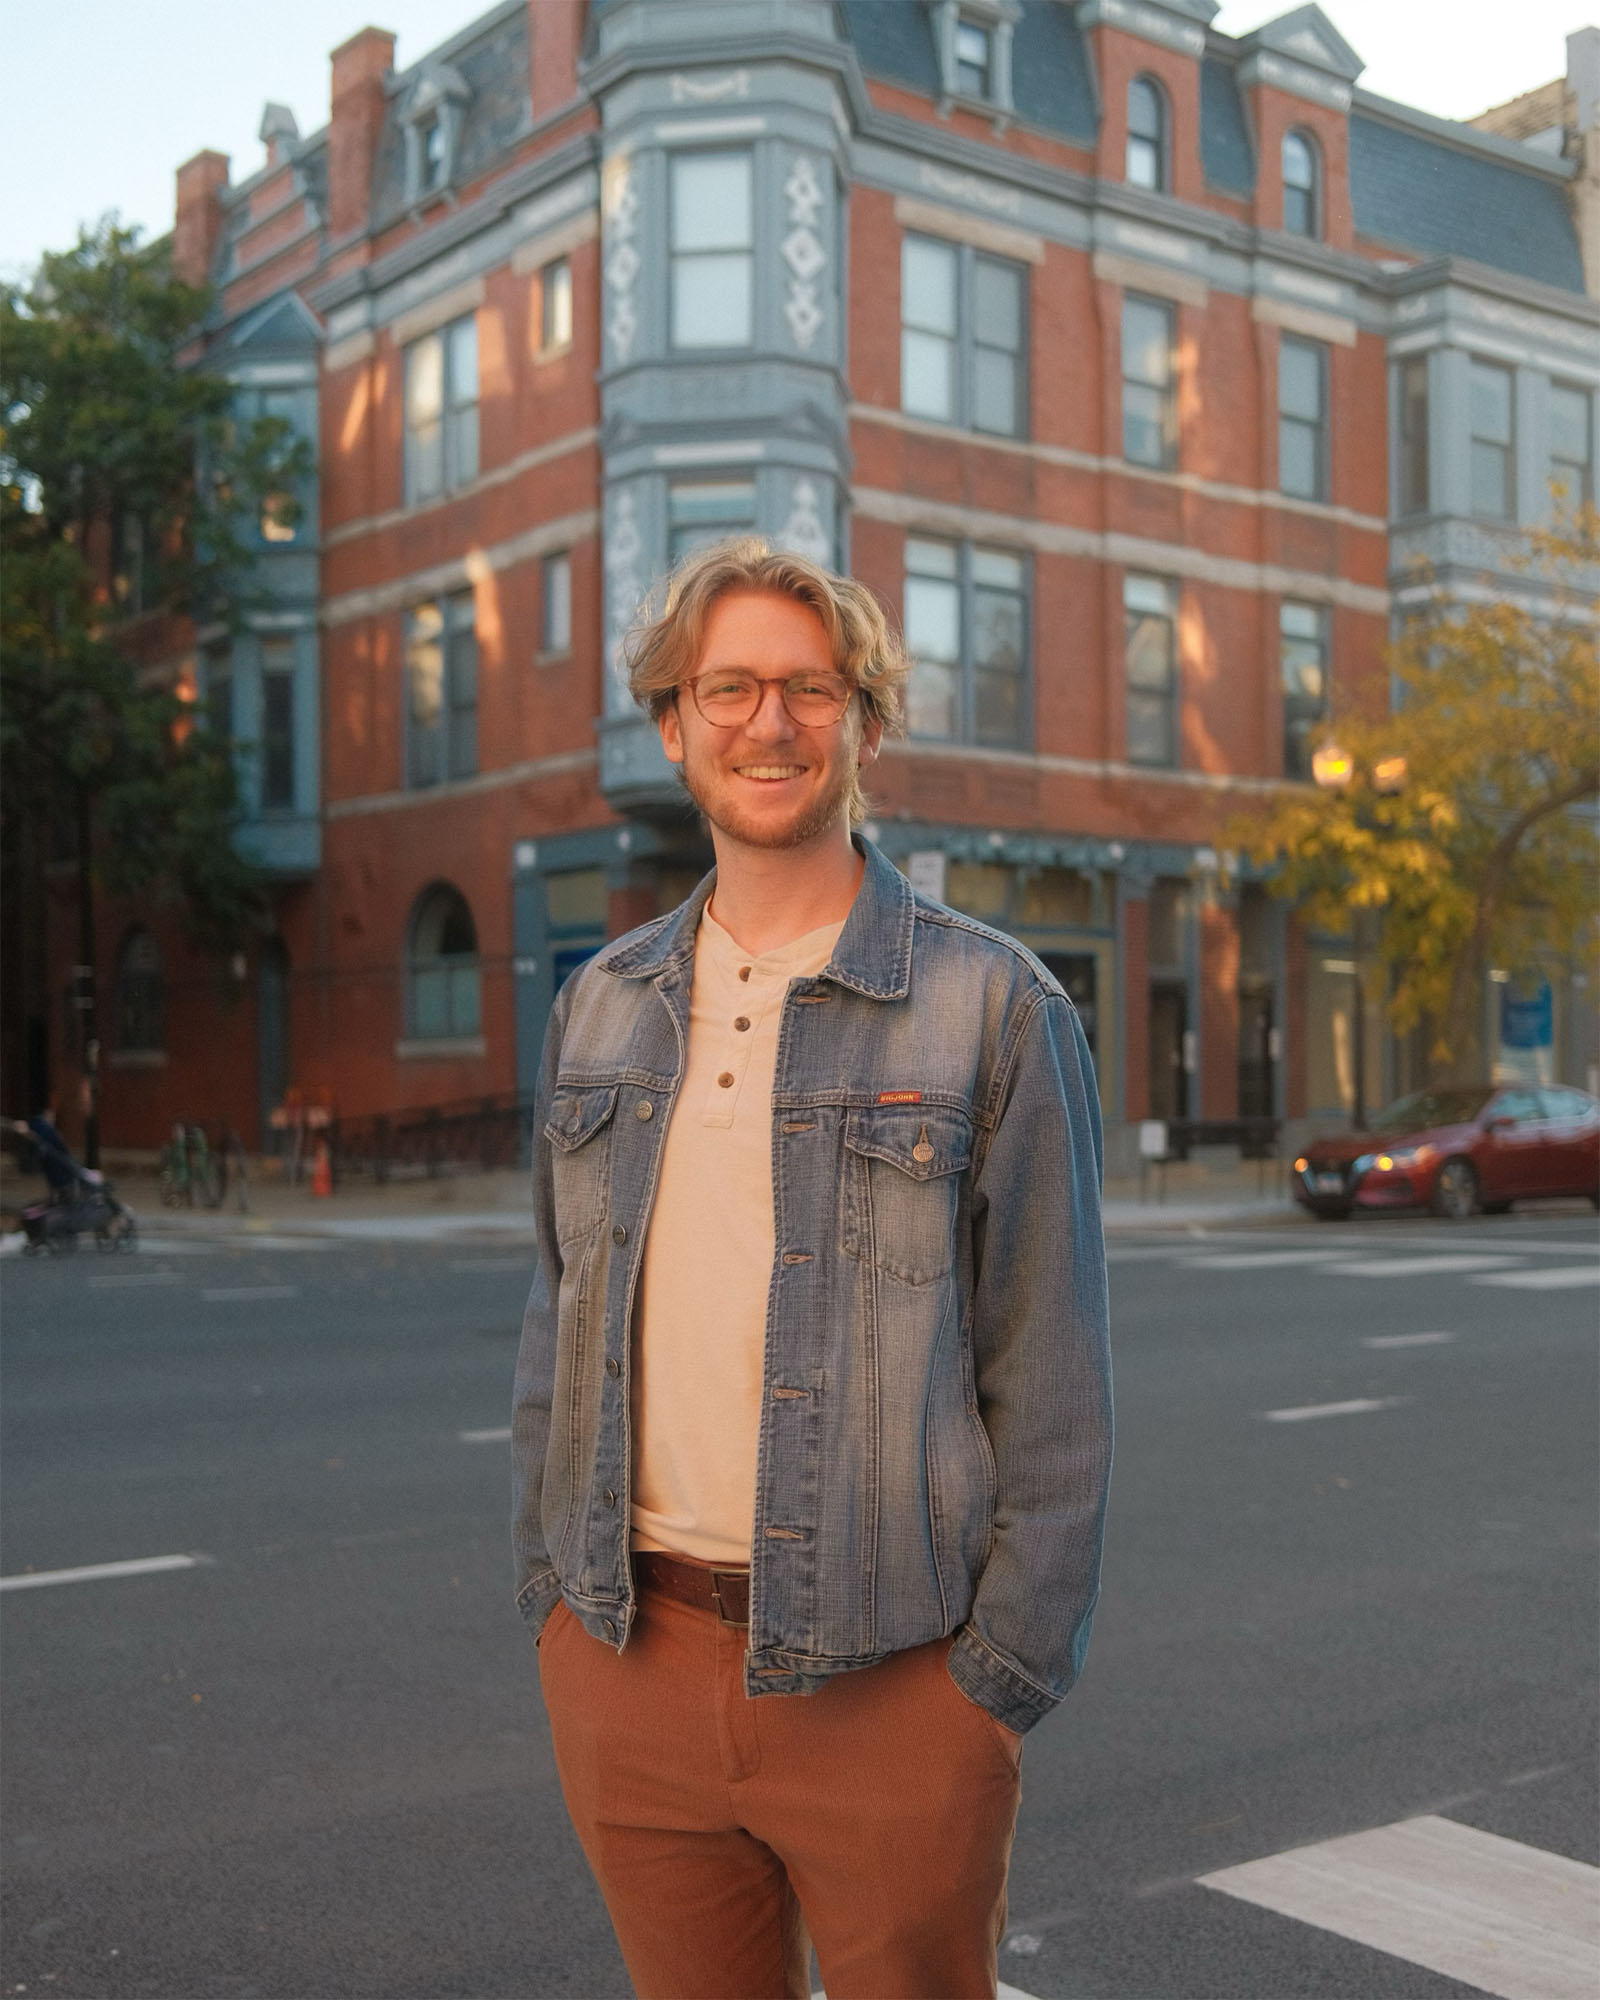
[1147, 135]
[1301, 203]
[973, 60]
[434, 164]
[432, 122]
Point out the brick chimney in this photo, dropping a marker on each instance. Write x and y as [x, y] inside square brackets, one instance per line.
[199, 215]
[555, 37]
[359, 68]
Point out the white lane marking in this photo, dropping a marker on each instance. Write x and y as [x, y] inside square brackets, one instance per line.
[502, 1436]
[174, 1246]
[246, 1241]
[1407, 1339]
[219, 1294]
[127, 1278]
[1002, 1992]
[1415, 1267]
[1551, 1278]
[99, 1572]
[1510, 1919]
[489, 1263]
[1261, 1260]
[1304, 1413]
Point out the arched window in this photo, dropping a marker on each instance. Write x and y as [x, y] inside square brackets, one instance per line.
[140, 1006]
[442, 967]
[1301, 193]
[1147, 135]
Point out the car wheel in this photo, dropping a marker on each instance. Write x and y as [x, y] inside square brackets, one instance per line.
[1331, 1214]
[1497, 1208]
[1455, 1192]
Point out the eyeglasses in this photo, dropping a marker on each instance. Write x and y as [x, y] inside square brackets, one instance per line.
[733, 696]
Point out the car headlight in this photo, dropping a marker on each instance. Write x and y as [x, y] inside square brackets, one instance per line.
[1360, 1166]
[1408, 1156]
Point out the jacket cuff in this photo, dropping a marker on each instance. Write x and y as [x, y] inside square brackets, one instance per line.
[537, 1598]
[984, 1677]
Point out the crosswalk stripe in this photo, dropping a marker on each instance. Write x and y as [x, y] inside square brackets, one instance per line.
[1509, 1919]
[1552, 1278]
[1357, 1406]
[1415, 1267]
[1260, 1260]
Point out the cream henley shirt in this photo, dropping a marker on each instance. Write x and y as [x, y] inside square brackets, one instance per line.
[700, 1323]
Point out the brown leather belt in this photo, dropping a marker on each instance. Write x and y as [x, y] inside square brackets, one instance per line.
[724, 1591]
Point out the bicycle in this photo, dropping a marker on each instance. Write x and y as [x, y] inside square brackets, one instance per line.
[189, 1170]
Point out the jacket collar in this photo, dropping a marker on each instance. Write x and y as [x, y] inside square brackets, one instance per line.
[873, 955]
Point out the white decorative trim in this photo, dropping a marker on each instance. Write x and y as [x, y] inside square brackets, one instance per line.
[804, 531]
[709, 89]
[498, 475]
[619, 202]
[530, 771]
[454, 304]
[624, 590]
[720, 451]
[935, 220]
[1076, 767]
[542, 249]
[968, 187]
[401, 591]
[910, 510]
[674, 129]
[1304, 319]
[345, 353]
[802, 251]
[1133, 275]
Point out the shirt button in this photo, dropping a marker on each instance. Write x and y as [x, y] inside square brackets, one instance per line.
[609, 1497]
[742, 1023]
[613, 1366]
[643, 1110]
[744, 972]
[726, 1079]
[619, 1234]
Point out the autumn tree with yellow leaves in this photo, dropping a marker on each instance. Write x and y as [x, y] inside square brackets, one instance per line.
[1462, 822]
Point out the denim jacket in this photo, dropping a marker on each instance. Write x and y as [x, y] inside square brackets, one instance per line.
[935, 1438]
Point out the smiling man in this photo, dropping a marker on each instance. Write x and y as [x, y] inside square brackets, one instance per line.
[813, 1423]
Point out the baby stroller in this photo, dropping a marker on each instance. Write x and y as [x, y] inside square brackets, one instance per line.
[81, 1200]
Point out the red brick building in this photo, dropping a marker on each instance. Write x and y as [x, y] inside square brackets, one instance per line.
[1131, 364]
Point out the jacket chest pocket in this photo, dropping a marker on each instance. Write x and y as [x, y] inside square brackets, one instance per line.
[902, 1187]
[579, 1132]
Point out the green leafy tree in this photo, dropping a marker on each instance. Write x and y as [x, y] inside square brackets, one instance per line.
[126, 488]
[1459, 829]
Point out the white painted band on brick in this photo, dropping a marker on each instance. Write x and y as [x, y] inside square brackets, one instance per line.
[99, 1572]
[1510, 1919]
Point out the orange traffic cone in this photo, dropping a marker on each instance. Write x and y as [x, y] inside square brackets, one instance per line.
[322, 1170]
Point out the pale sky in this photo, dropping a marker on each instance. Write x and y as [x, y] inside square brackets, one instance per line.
[105, 99]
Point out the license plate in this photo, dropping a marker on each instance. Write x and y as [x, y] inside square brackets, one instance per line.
[1330, 1183]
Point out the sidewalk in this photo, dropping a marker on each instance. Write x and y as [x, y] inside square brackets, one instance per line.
[495, 1204]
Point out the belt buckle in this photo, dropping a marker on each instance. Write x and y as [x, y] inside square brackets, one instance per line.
[717, 1577]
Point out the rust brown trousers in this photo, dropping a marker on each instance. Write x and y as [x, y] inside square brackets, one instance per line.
[876, 1814]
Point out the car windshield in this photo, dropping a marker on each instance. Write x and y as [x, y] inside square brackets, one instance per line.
[1425, 1108]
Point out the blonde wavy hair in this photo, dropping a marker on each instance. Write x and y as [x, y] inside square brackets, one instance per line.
[661, 652]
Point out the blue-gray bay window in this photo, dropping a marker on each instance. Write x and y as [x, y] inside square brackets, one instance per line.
[1150, 666]
[966, 626]
[963, 328]
[1149, 404]
[441, 411]
[712, 250]
[1494, 458]
[1302, 418]
[703, 511]
[276, 752]
[1413, 454]
[441, 669]
[442, 984]
[1571, 445]
[1303, 656]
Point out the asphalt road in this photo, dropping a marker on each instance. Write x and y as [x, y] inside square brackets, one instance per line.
[315, 1765]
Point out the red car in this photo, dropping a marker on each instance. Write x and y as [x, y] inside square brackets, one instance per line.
[1457, 1152]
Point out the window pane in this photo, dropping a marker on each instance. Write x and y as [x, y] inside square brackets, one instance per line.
[1149, 656]
[711, 203]
[1149, 728]
[1569, 424]
[997, 304]
[998, 707]
[463, 431]
[1491, 481]
[928, 285]
[430, 1003]
[277, 737]
[1301, 621]
[1144, 163]
[730, 502]
[933, 700]
[711, 304]
[425, 462]
[1299, 212]
[1299, 168]
[557, 636]
[1144, 425]
[972, 59]
[1147, 593]
[464, 361]
[1144, 109]
[930, 558]
[1491, 403]
[424, 380]
[1146, 342]
[1300, 379]
[997, 630]
[555, 294]
[927, 375]
[1414, 436]
[464, 1011]
[424, 694]
[933, 619]
[994, 391]
[1298, 469]
[997, 567]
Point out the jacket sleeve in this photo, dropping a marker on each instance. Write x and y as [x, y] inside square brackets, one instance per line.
[1042, 1365]
[536, 1582]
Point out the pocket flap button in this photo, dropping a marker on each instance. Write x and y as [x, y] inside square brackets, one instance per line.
[643, 1110]
[922, 1150]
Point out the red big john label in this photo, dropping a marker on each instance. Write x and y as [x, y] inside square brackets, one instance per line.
[899, 1096]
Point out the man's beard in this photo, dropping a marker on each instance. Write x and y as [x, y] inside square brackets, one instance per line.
[822, 814]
